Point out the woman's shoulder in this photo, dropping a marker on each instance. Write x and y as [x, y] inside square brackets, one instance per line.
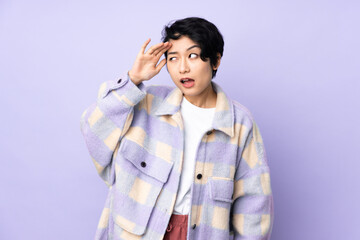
[242, 115]
[241, 110]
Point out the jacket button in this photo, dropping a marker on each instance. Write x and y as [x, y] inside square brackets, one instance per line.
[199, 176]
[194, 226]
[209, 132]
[143, 164]
[119, 81]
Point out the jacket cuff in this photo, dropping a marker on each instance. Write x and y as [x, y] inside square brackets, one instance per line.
[124, 87]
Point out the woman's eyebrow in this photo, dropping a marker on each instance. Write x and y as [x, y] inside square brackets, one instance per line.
[186, 49]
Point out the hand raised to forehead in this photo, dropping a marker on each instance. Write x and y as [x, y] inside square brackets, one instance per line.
[147, 64]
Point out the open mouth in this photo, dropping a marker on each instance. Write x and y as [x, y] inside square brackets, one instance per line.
[187, 82]
[184, 80]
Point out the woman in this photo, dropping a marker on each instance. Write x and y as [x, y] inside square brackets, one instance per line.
[184, 162]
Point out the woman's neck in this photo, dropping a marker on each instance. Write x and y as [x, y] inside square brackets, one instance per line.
[206, 99]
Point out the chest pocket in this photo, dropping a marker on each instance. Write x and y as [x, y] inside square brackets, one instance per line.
[140, 177]
[221, 189]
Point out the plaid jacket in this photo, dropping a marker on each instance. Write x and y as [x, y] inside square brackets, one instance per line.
[135, 138]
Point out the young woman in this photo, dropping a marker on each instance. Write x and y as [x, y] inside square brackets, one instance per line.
[184, 162]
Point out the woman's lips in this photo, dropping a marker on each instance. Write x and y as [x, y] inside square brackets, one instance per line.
[186, 79]
[187, 82]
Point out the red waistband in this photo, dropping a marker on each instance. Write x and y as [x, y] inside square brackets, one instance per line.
[178, 219]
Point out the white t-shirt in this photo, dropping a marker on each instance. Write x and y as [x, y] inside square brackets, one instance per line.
[197, 121]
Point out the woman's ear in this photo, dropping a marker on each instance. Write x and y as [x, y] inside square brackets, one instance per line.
[218, 62]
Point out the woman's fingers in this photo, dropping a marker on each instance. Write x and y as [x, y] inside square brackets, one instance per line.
[160, 65]
[155, 48]
[147, 63]
[163, 50]
[143, 47]
[160, 49]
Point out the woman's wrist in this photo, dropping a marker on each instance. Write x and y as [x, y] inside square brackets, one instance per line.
[134, 79]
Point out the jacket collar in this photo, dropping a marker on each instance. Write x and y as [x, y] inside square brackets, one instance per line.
[224, 110]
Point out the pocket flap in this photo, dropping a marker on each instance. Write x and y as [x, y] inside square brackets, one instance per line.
[151, 165]
[221, 189]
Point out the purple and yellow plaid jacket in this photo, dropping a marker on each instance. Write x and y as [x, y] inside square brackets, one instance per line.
[135, 138]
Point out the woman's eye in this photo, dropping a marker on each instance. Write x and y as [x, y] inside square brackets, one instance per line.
[193, 55]
[172, 58]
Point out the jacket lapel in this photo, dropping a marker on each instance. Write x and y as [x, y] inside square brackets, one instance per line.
[224, 110]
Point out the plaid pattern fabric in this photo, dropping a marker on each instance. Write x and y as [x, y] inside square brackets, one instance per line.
[134, 135]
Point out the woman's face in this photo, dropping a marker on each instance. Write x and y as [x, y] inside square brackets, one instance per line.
[189, 73]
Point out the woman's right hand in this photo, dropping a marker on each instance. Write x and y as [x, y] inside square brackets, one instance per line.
[146, 63]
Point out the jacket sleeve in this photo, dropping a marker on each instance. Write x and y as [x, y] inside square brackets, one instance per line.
[252, 210]
[105, 122]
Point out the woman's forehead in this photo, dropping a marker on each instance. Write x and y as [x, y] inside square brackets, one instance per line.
[183, 44]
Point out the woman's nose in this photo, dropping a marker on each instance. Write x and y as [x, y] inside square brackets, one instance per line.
[184, 66]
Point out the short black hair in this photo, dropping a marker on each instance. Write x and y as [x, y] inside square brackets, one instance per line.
[202, 32]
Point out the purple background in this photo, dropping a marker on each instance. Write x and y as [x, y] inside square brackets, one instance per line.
[294, 64]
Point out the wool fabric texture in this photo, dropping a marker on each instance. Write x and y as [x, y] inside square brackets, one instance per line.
[135, 137]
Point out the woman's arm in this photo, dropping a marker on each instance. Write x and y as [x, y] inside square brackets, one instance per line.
[252, 211]
[105, 122]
